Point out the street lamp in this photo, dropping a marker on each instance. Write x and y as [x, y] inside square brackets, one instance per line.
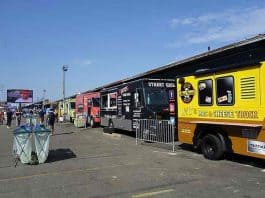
[65, 68]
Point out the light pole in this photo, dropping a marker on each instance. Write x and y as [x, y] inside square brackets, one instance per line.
[43, 98]
[65, 68]
[2, 90]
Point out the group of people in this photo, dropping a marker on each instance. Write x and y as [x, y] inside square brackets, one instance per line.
[9, 114]
[51, 117]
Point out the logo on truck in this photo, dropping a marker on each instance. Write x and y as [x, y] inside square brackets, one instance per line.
[187, 92]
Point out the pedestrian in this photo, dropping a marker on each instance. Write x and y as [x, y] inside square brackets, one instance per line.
[9, 115]
[18, 117]
[31, 113]
[2, 117]
[51, 120]
[56, 115]
[41, 116]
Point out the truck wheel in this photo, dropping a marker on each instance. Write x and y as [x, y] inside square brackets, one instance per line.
[212, 148]
[92, 123]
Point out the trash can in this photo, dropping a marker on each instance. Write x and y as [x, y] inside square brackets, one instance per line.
[42, 141]
[22, 146]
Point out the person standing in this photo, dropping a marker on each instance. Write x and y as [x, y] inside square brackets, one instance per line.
[56, 115]
[2, 117]
[18, 117]
[41, 115]
[9, 115]
[51, 120]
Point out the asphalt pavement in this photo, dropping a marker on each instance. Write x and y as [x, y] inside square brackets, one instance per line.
[89, 163]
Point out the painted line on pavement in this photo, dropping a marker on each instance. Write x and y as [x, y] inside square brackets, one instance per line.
[149, 194]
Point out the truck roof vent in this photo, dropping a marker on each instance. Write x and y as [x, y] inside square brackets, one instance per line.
[248, 89]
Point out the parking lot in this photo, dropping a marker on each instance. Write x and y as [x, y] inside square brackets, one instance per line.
[89, 163]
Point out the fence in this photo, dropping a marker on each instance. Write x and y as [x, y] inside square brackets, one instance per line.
[157, 131]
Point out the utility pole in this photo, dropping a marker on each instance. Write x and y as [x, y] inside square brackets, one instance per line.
[2, 89]
[65, 68]
[43, 98]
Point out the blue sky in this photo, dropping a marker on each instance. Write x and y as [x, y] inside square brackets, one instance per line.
[106, 40]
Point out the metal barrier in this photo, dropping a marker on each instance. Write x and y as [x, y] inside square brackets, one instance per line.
[157, 131]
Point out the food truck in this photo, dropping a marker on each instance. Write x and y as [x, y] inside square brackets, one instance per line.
[223, 110]
[67, 111]
[87, 109]
[124, 104]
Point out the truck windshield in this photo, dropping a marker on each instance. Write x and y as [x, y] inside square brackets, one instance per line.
[155, 96]
[95, 102]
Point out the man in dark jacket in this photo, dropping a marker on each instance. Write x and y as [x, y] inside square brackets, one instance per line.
[18, 117]
[51, 120]
[41, 115]
[9, 115]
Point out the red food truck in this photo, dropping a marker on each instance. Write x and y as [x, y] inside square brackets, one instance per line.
[87, 109]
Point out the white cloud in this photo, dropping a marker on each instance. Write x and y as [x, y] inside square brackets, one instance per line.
[227, 26]
[79, 62]
[186, 21]
[86, 62]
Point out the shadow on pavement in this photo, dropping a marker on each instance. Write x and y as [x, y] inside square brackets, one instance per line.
[60, 154]
[240, 159]
[119, 131]
[127, 133]
[249, 161]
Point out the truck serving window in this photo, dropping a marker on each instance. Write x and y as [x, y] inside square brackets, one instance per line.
[95, 102]
[225, 91]
[205, 89]
[113, 100]
[156, 96]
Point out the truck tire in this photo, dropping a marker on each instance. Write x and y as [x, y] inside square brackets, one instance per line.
[212, 148]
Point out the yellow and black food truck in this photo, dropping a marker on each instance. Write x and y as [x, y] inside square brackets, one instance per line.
[223, 110]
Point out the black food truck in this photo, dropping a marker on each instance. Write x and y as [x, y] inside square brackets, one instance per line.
[122, 105]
